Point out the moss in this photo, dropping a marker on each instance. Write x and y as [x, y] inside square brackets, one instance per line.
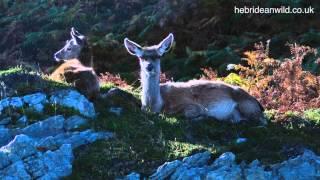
[235, 79]
[105, 87]
[54, 109]
[312, 115]
[13, 70]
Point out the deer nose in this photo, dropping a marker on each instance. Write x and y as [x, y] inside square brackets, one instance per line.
[149, 67]
[56, 57]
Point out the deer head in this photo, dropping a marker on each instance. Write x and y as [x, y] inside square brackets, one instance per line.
[72, 47]
[149, 57]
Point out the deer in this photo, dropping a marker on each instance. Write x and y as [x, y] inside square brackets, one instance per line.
[194, 99]
[76, 68]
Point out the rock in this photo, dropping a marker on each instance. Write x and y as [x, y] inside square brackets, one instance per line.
[76, 139]
[200, 159]
[36, 101]
[5, 136]
[4, 103]
[256, 171]
[21, 159]
[15, 171]
[16, 102]
[225, 168]
[116, 110]
[58, 163]
[38, 108]
[74, 122]
[5, 121]
[132, 176]
[226, 159]
[22, 122]
[225, 172]
[75, 100]
[183, 173]
[241, 140]
[51, 126]
[305, 166]
[33, 99]
[19, 148]
[166, 170]
[120, 98]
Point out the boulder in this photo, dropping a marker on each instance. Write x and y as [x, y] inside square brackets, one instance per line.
[51, 126]
[73, 99]
[21, 159]
[74, 122]
[75, 139]
[22, 121]
[305, 166]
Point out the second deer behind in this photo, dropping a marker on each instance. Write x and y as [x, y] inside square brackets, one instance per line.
[196, 99]
[77, 65]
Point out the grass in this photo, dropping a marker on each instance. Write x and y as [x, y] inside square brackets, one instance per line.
[145, 141]
[313, 115]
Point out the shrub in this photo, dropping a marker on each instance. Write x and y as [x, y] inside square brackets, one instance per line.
[107, 78]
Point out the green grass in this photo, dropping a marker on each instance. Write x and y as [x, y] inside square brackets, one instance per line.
[14, 70]
[145, 141]
[312, 115]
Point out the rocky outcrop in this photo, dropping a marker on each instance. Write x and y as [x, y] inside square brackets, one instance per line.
[65, 98]
[21, 159]
[43, 150]
[200, 166]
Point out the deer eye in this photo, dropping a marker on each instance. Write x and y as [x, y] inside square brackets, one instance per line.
[69, 49]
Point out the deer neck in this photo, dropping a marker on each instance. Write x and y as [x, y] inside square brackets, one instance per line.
[86, 57]
[151, 98]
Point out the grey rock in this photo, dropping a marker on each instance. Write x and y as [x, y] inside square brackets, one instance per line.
[15, 171]
[305, 166]
[199, 159]
[225, 172]
[5, 103]
[225, 159]
[22, 121]
[19, 148]
[16, 102]
[38, 107]
[73, 99]
[183, 172]
[21, 159]
[132, 176]
[33, 99]
[76, 139]
[5, 121]
[74, 122]
[166, 170]
[58, 163]
[51, 126]
[116, 110]
[241, 140]
[256, 171]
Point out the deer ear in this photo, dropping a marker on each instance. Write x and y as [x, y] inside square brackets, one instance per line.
[165, 44]
[77, 36]
[133, 48]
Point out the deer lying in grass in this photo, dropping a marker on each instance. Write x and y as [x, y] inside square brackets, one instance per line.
[76, 68]
[195, 99]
